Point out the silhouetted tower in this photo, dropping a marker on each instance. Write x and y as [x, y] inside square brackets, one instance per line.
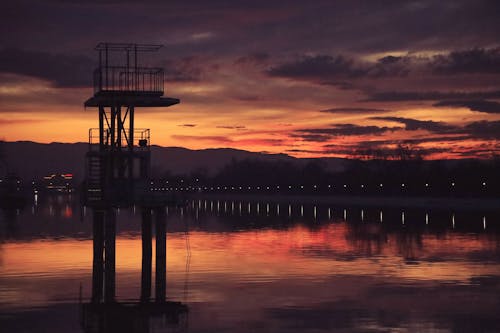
[118, 163]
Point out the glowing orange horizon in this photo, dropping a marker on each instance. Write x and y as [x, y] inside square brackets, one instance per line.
[273, 126]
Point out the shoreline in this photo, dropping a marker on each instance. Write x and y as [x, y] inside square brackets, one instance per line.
[459, 204]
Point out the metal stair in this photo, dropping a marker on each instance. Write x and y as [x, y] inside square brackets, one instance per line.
[94, 177]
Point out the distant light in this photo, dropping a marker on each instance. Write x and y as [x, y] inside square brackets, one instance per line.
[277, 187]
[452, 184]
[329, 186]
[301, 186]
[289, 186]
[403, 185]
[362, 185]
[484, 183]
[381, 185]
[315, 186]
[426, 185]
[345, 186]
[267, 187]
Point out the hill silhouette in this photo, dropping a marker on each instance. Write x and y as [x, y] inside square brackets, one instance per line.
[31, 160]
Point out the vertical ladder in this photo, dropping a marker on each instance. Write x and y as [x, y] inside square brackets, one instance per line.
[94, 177]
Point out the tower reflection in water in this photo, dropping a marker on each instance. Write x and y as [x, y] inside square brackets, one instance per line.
[104, 313]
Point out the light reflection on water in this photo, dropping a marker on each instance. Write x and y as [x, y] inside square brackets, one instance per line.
[260, 266]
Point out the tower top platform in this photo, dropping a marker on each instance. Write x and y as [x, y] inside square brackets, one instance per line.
[122, 81]
[128, 47]
[128, 100]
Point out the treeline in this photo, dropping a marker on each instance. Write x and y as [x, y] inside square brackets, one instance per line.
[373, 177]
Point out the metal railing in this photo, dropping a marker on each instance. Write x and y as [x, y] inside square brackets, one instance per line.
[141, 139]
[128, 79]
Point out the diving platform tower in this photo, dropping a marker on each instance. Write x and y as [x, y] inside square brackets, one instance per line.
[118, 161]
[117, 166]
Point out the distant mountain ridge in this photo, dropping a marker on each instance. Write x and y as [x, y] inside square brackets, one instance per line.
[31, 160]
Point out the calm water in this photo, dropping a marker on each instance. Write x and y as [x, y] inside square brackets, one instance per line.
[263, 267]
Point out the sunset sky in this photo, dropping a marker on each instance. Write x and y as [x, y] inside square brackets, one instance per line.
[306, 78]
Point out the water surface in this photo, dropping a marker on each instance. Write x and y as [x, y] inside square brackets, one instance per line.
[248, 267]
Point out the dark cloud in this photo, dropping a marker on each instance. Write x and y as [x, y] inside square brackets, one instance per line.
[411, 141]
[303, 151]
[335, 70]
[212, 138]
[354, 110]
[479, 153]
[187, 125]
[436, 139]
[483, 129]
[257, 58]
[414, 124]
[60, 69]
[186, 69]
[312, 137]
[489, 130]
[236, 127]
[404, 96]
[478, 60]
[473, 105]
[322, 68]
[480, 130]
[346, 130]
[390, 66]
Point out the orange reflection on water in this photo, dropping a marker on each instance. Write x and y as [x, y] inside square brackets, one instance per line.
[254, 255]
